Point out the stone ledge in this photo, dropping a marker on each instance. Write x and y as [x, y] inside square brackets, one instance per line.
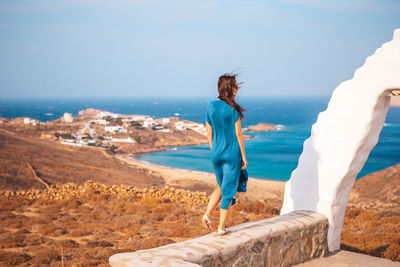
[283, 240]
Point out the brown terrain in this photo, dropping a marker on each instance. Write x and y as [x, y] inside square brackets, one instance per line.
[53, 163]
[63, 205]
[372, 219]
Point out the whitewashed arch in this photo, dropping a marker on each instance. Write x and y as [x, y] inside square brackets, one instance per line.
[342, 138]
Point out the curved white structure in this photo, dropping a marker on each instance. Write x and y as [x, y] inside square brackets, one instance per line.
[342, 139]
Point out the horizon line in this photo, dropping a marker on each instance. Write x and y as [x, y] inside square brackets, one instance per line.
[154, 97]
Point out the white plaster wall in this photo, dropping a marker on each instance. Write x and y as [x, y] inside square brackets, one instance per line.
[342, 138]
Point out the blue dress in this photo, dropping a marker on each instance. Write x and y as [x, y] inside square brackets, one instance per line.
[225, 152]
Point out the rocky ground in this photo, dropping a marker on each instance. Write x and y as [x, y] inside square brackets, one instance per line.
[71, 225]
[261, 127]
[83, 225]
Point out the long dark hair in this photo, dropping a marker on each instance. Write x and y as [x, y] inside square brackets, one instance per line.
[226, 83]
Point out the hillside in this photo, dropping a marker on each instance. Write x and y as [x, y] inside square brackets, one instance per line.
[57, 163]
[378, 191]
[372, 220]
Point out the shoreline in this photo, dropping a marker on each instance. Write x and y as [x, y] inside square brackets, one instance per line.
[165, 166]
[257, 189]
[188, 170]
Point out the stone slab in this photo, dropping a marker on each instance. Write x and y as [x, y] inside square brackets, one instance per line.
[279, 241]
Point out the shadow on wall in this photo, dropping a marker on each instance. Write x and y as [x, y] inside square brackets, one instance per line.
[306, 199]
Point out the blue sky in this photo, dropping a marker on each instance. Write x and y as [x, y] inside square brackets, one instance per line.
[134, 48]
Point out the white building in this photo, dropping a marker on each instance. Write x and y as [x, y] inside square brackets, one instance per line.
[29, 121]
[106, 137]
[198, 127]
[70, 142]
[158, 127]
[136, 118]
[101, 122]
[180, 125]
[165, 120]
[122, 140]
[106, 114]
[148, 122]
[68, 117]
[115, 129]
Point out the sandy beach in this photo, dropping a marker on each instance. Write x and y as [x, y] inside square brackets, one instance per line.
[257, 189]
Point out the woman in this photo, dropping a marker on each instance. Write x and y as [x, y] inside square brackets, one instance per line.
[225, 137]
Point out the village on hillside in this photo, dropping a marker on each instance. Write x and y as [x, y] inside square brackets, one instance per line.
[98, 128]
[118, 133]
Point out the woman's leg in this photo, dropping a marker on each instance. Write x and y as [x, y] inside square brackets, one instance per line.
[214, 199]
[223, 214]
[229, 185]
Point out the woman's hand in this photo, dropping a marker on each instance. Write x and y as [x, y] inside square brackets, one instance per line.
[244, 164]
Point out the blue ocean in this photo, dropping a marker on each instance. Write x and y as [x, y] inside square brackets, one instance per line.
[271, 155]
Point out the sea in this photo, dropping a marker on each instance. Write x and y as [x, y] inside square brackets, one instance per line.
[271, 155]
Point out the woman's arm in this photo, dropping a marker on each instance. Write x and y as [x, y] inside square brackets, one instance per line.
[239, 135]
[209, 134]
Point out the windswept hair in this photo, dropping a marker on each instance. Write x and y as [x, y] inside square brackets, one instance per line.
[226, 83]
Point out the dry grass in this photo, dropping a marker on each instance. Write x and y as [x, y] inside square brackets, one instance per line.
[87, 230]
[372, 232]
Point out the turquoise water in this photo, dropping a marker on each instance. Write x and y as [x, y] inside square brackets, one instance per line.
[271, 155]
[274, 155]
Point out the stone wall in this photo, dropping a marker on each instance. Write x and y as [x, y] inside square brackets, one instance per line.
[284, 240]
